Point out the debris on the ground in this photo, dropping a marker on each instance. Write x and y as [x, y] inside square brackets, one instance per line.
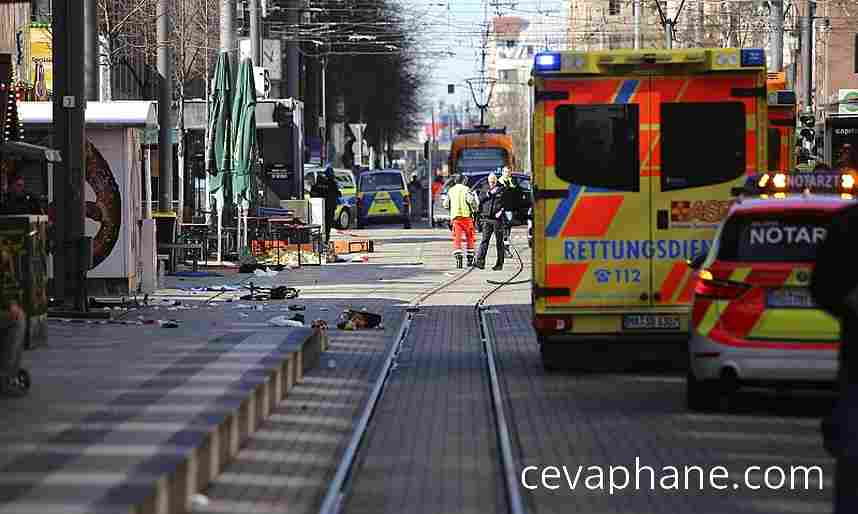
[283, 293]
[282, 321]
[296, 307]
[323, 309]
[243, 315]
[319, 324]
[199, 501]
[243, 306]
[168, 323]
[268, 272]
[299, 318]
[358, 320]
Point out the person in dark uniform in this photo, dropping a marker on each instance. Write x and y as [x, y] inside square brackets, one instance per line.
[834, 287]
[326, 187]
[18, 201]
[491, 219]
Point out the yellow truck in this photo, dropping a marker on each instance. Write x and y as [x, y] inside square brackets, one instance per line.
[635, 153]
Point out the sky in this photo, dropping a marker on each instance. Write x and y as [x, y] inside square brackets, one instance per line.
[451, 33]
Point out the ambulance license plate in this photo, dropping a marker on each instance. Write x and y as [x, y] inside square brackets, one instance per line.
[650, 322]
[790, 298]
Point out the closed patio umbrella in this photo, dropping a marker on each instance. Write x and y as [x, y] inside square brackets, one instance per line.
[244, 137]
[220, 134]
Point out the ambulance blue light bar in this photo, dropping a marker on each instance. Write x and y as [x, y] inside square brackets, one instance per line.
[547, 62]
[818, 182]
[753, 57]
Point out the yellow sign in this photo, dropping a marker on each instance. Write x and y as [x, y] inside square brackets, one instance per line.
[41, 62]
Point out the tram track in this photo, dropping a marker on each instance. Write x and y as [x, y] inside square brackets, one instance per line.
[338, 490]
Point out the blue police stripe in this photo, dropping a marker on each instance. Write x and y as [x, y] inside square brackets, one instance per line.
[559, 219]
[398, 200]
[626, 91]
[365, 203]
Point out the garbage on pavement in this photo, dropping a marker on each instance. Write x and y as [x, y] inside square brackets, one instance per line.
[358, 320]
[283, 321]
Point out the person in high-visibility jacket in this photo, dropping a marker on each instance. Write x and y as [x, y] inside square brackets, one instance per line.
[462, 203]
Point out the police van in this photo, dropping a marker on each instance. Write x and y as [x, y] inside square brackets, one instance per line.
[635, 153]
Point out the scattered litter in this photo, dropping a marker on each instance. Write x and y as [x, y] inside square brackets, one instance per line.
[360, 258]
[196, 274]
[243, 315]
[268, 272]
[323, 309]
[282, 321]
[297, 308]
[283, 293]
[243, 306]
[299, 318]
[319, 324]
[199, 500]
[332, 364]
[168, 323]
[358, 320]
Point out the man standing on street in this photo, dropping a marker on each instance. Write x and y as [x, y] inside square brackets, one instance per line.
[415, 190]
[491, 219]
[460, 202]
[834, 287]
[326, 187]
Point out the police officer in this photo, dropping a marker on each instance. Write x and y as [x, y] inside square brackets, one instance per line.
[461, 203]
[491, 218]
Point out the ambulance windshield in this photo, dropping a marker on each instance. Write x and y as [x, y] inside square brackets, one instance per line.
[775, 237]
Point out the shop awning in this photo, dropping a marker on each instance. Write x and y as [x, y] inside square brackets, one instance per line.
[101, 114]
[30, 152]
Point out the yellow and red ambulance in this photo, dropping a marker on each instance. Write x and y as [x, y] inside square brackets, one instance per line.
[783, 114]
[635, 153]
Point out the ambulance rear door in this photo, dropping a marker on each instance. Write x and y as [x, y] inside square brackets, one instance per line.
[708, 133]
[593, 212]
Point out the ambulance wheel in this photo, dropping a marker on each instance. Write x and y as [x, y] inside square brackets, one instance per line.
[701, 395]
[24, 378]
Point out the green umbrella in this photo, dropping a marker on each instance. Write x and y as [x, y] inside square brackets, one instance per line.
[244, 117]
[220, 126]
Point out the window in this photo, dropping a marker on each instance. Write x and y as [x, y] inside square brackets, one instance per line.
[613, 7]
[344, 180]
[781, 237]
[597, 146]
[381, 182]
[480, 159]
[688, 158]
[774, 149]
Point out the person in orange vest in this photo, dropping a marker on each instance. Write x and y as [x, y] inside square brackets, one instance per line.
[461, 203]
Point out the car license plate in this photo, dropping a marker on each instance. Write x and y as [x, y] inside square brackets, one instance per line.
[790, 298]
[650, 322]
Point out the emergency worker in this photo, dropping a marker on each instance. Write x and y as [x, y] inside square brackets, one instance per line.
[834, 287]
[491, 218]
[511, 203]
[461, 203]
[415, 190]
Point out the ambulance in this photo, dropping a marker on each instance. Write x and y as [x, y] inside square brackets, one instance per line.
[635, 154]
[783, 114]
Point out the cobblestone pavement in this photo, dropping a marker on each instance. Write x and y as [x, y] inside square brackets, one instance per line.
[631, 410]
[287, 465]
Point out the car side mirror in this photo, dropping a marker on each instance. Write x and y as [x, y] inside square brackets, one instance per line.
[696, 262]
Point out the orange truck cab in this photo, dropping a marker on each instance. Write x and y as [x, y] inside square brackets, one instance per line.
[480, 150]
